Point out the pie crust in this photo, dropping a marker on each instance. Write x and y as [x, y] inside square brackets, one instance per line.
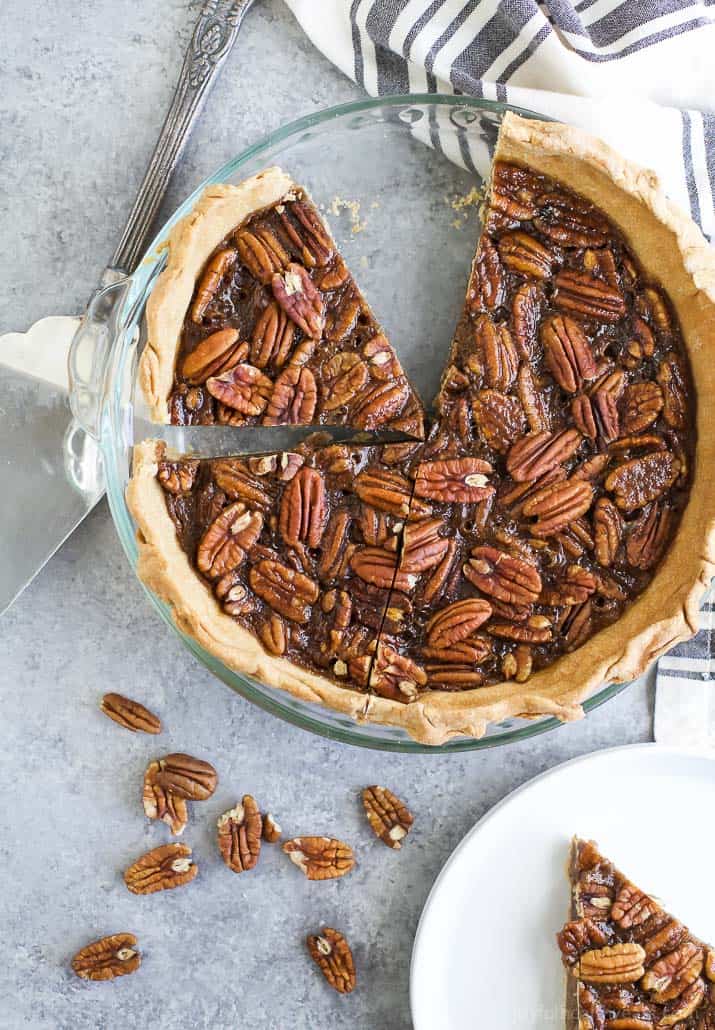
[672, 251]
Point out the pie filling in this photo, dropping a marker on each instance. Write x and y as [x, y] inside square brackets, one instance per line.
[630, 963]
[278, 333]
[551, 481]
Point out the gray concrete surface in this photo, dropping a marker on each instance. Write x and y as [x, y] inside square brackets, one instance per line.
[83, 90]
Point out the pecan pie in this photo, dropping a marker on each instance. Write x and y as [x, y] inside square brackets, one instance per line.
[630, 963]
[257, 320]
[540, 542]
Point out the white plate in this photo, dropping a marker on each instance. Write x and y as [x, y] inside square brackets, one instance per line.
[485, 954]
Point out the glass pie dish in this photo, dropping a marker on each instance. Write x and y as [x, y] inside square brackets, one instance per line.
[399, 180]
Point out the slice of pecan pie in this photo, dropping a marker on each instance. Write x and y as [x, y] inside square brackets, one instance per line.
[257, 320]
[553, 532]
[630, 964]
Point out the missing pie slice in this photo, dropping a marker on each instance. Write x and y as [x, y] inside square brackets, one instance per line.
[630, 963]
[554, 531]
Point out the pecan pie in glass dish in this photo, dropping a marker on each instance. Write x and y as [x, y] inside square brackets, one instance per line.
[552, 530]
[630, 964]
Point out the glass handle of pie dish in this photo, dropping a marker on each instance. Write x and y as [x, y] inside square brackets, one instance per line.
[90, 351]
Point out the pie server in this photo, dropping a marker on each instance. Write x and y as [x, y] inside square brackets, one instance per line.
[205, 442]
[51, 462]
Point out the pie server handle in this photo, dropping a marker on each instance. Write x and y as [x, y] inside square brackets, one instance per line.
[214, 34]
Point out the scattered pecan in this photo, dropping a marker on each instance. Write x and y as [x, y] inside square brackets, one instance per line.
[244, 388]
[285, 590]
[616, 964]
[261, 252]
[499, 575]
[395, 675]
[596, 415]
[497, 352]
[500, 418]
[487, 283]
[163, 804]
[239, 835]
[215, 270]
[130, 714]
[300, 299]
[343, 376]
[580, 294]
[457, 621]
[294, 398]
[557, 505]
[538, 453]
[304, 509]
[523, 253]
[272, 337]
[607, 531]
[641, 480]
[320, 858]
[649, 535]
[669, 976]
[568, 352]
[108, 958]
[214, 355]
[389, 817]
[161, 869]
[187, 777]
[671, 377]
[223, 546]
[423, 547]
[464, 480]
[379, 402]
[331, 953]
[271, 829]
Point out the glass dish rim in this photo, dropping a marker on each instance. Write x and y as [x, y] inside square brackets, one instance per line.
[139, 283]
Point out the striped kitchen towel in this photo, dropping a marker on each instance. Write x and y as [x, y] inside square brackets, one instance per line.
[639, 73]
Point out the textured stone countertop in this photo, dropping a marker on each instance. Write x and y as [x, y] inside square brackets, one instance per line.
[83, 91]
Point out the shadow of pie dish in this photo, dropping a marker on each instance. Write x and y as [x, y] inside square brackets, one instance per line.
[546, 531]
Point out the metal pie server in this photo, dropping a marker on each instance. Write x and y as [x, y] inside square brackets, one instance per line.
[49, 452]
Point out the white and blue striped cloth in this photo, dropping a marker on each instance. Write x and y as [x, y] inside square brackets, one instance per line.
[639, 73]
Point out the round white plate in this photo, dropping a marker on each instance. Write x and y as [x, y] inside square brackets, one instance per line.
[485, 954]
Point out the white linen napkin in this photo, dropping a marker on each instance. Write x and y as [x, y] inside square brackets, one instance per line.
[639, 74]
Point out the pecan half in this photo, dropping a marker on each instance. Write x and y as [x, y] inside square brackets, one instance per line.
[423, 547]
[271, 829]
[381, 359]
[108, 958]
[343, 376]
[640, 406]
[641, 480]
[187, 777]
[239, 835]
[273, 633]
[497, 352]
[333, 546]
[518, 664]
[648, 537]
[238, 484]
[607, 531]
[223, 546]
[653, 305]
[285, 590]
[300, 299]
[243, 388]
[457, 621]
[163, 804]
[500, 575]
[463, 480]
[470, 652]
[574, 587]
[526, 308]
[385, 490]
[670, 975]
[234, 597]
[583, 295]
[513, 192]
[533, 400]
[536, 630]
[342, 316]
[487, 283]
[130, 714]
[377, 566]
[379, 402]
[216, 354]
[596, 415]
[568, 352]
[389, 818]
[315, 245]
[447, 676]
[161, 869]
[272, 337]
[320, 858]
[304, 509]
[677, 1012]
[499, 417]
[215, 270]
[571, 221]
[331, 953]
[523, 253]
[395, 675]
[632, 907]
[294, 398]
[261, 252]
[617, 964]
[177, 477]
[537, 453]
[557, 505]
[640, 346]
[671, 377]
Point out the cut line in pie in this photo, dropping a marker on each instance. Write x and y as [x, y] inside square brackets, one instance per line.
[553, 531]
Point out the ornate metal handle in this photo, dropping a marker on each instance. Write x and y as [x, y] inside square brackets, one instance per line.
[213, 37]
